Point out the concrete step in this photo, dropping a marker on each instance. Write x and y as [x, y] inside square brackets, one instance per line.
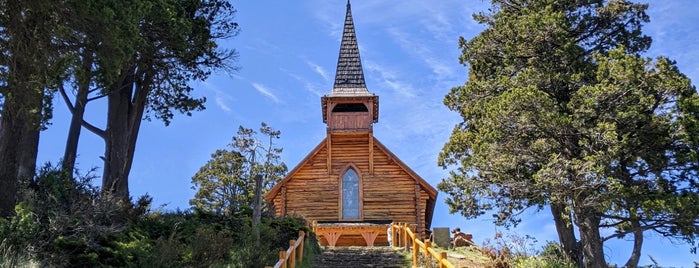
[355, 257]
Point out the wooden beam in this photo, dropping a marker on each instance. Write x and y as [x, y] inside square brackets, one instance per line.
[418, 229]
[330, 153]
[283, 199]
[371, 154]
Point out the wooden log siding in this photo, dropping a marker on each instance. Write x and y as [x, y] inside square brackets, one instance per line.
[391, 192]
[349, 121]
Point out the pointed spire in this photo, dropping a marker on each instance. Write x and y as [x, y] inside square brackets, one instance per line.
[349, 77]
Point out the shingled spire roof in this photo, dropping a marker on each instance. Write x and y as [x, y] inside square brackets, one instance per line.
[349, 77]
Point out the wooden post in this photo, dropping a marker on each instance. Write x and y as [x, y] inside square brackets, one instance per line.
[428, 244]
[292, 255]
[394, 240]
[418, 212]
[283, 206]
[442, 256]
[299, 250]
[405, 236]
[416, 252]
[282, 257]
[330, 155]
[371, 153]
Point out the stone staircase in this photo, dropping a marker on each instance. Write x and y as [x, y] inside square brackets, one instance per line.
[355, 257]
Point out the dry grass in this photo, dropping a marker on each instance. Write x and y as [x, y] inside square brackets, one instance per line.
[459, 257]
[13, 258]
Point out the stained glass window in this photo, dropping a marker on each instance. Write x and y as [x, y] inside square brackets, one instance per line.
[350, 195]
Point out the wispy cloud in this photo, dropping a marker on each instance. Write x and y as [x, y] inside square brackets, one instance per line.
[220, 97]
[308, 85]
[319, 70]
[423, 53]
[390, 79]
[265, 91]
[221, 102]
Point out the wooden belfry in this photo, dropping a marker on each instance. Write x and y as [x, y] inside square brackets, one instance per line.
[351, 184]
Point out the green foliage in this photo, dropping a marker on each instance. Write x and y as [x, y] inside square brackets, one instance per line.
[275, 234]
[248, 253]
[310, 250]
[222, 185]
[65, 222]
[226, 184]
[561, 108]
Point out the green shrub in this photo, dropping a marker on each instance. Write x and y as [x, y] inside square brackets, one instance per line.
[65, 222]
[248, 252]
[275, 234]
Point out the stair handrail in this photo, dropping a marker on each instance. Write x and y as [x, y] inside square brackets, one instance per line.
[403, 236]
[289, 257]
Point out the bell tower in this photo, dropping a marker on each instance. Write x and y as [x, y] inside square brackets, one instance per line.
[350, 107]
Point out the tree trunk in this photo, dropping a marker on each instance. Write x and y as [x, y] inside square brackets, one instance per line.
[588, 224]
[566, 235]
[257, 206]
[126, 104]
[10, 135]
[19, 144]
[77, 111]
[23, 97]
[637, 245]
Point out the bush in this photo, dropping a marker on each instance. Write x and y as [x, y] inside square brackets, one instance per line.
[274, 233]
[65, 222]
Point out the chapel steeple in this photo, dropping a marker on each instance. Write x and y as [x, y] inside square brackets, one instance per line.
[350, 107]
[349, 77]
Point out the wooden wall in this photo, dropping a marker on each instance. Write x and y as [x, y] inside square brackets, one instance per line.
[354, 120]
[389, 193]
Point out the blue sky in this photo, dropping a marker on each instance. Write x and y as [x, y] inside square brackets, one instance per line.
[288, 52]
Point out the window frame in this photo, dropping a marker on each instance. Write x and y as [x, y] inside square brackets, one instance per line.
[360, 216]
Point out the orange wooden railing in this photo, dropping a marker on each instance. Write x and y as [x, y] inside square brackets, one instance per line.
[403, 236]
[288, 258]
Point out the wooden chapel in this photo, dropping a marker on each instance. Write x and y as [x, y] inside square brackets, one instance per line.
[351, 181]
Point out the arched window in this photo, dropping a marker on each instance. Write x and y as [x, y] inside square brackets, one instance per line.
[350, 194]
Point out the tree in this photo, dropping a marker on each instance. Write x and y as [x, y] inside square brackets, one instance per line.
[161, 45]
[221, 184]
[561, 110]
[100, 39]
[235, 179]
[28, 63]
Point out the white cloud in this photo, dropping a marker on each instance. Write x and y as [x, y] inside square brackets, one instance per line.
[265, 91]
[221, 102]
[308, 85]
[221, 98]
[389, 78]
[319, 70]
[422, 53]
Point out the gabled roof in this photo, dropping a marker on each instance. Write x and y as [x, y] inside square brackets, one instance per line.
[349, 77]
